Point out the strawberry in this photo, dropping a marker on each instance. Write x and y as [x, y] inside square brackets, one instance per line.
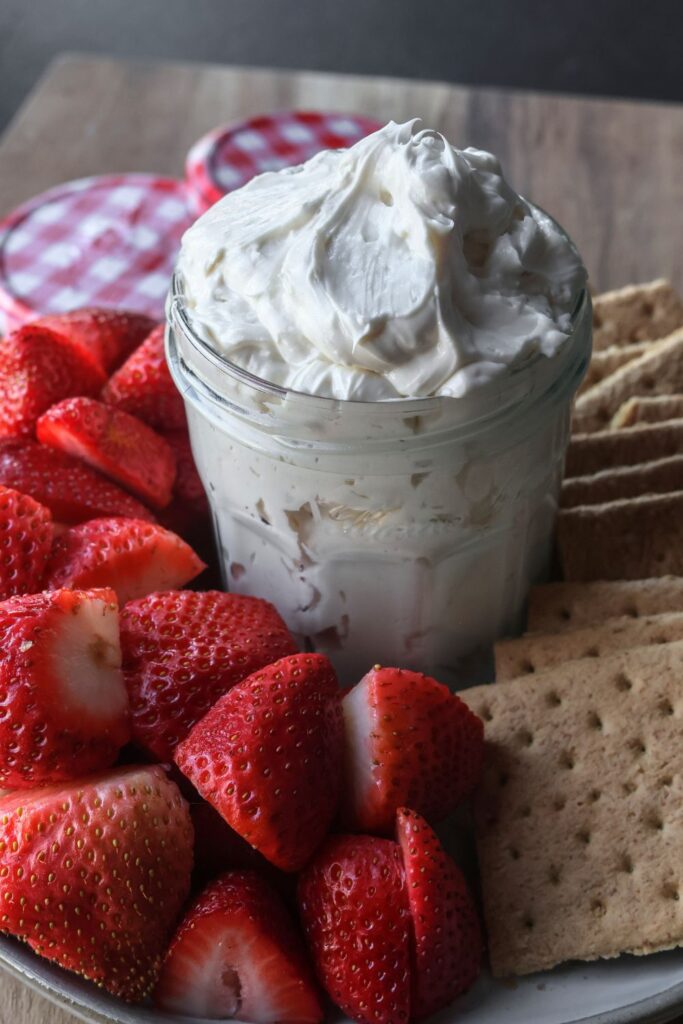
[183, 650]
[354, 909]
[134, 558]
[409, 742]
[64, 704]
[67, 487]
[25, 540]
[93, 873]
[238, 954]
[113, 442]
[268, 757]
[106, 335]
[447, 947]
[188, 488]
[144, 386]
[37, 369]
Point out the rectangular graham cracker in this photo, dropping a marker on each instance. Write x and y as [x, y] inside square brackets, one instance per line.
[606, 362]
[590, 453]
[639, 312]
[622, 540]
[647, 409]
[658, 372]
[558, 606]
[657, 477]
[579, 816]
[536, 652]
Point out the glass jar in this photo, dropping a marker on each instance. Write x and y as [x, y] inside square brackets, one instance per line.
[404, 532]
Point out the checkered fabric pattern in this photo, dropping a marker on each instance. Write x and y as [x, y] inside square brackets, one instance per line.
[104, 241]
[228, 157]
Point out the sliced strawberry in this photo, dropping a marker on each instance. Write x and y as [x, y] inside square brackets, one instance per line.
[113, 442]
[188, 488]
[37, 369]
[144, 386]
[183, 650]
[107, 335]
[268, 757]
[64, 703]
[132, 557]
[409, 742]
[238, 954]
[447, 947]
[93, 874]
[72, 491]
[354, 909]
[26, 533]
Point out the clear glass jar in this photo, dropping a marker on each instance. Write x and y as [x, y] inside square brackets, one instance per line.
[404, 532]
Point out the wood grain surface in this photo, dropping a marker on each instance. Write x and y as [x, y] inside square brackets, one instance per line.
[611, 172]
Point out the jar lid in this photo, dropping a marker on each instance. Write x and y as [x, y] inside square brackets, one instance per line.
[228, 157]
[101, 241]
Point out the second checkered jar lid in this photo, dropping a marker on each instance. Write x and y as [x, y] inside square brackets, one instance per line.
[228, 157]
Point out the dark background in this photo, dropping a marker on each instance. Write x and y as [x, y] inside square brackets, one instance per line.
[609, 47]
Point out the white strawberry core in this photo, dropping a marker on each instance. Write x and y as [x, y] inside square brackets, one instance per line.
[86, 659]
[359, 723]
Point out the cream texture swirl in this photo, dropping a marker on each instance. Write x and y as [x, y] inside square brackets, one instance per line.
[401, 267]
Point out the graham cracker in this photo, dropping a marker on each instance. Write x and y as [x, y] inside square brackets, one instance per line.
[647, 409]
[537, 652]
[658, 372]
[560, 606]
[636, 313]
[656, 477]
[604, 363]
[635, 538]
[579, 817]
[590, 453]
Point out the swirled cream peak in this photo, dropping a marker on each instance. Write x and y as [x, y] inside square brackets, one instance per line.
[399, 267]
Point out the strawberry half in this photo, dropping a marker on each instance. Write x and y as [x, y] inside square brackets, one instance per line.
[72, 491]
[132, 557]
[268, 757]
[188, 488]
[113, 442]
[25, 541]
[409, 742]
[238, 954]
[447, 947]
[144, 386]
[354, 908]
[183, 650]
[64, 703]
[106, 335]
[37, 369]
[93, 874]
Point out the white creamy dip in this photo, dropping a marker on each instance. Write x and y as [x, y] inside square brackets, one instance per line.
[399, 267]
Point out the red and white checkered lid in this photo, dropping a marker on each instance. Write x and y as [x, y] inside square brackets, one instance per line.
[104, 241]
[228, 157]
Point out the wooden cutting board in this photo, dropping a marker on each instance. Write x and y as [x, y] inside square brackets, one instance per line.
[611, 172]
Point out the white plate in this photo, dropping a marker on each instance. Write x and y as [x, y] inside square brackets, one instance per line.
[648, 990]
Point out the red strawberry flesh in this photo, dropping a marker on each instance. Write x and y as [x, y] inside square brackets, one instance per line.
[118, 445]
[132, 557]
[37, 369]
[410, 742]
[93, 874]
[144, 386]
[183, 650]
[72, 491]
[268, 757]
[237, 954]
[354, 909]
[64, 703]
[26, 533]
[106, 335]
[447, 947]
